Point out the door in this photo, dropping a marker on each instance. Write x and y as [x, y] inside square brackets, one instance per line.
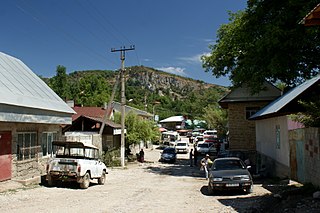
[5, 155]
[300, 161]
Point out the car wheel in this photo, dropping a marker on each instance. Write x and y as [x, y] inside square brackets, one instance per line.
[102, 179]
[51, 182]
[210, 190]
[85, 182]
[249, 189]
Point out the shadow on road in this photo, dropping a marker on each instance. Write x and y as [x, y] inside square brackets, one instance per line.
[180, 168]
[231, 198]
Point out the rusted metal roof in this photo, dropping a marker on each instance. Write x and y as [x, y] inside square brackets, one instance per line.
[312, 18]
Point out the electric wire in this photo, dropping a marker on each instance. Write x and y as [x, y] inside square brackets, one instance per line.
[37, 17]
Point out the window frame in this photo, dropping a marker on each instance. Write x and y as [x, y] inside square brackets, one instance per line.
[27, 145]
[46, 144]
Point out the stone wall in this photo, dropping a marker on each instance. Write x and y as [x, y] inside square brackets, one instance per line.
[29, 168]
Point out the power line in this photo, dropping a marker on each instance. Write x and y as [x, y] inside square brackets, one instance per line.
[36, 16]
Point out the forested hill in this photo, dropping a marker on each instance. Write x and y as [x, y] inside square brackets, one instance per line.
[174, 95]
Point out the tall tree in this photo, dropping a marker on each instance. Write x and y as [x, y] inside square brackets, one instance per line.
[60, 82]
[265, 42]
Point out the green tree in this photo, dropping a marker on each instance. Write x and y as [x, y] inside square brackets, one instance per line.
[139, 129]
[216, 118]
[265, 42]
[60, 83]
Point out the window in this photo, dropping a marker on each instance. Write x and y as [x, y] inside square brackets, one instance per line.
[251, 111]
[46, 143]
[277, 136]
[27, 145]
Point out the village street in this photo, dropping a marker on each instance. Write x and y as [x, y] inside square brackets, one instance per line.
[141, 187]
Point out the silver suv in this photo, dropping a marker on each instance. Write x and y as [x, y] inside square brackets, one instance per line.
[75, 161]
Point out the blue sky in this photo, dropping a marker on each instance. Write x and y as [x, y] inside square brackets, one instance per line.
[169, 35]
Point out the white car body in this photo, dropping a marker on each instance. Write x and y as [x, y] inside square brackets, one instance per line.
[75, 161]
[182, 147]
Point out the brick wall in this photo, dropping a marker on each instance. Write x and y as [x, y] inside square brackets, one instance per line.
[242, 134]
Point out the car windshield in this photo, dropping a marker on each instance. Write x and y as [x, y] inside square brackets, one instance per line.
[168, 151]
[181, 144]
[227, 165]
[76, 152]
[203, 145]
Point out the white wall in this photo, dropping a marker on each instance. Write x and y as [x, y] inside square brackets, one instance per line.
[266, 139]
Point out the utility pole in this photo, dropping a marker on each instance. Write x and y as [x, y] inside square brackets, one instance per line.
[122, 51]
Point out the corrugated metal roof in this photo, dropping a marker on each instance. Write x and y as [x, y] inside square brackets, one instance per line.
[19, 86]
[117, 107]
[282, 101]
[178, 118]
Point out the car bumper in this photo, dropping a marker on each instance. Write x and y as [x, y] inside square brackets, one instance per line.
[230, 186]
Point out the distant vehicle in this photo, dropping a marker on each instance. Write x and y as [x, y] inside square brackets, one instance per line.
[198, 138]
[75, 161]
[203, 148]
[169, 154]
[229, 173]
[170, 136]
[232, 153]
[182, 147]
[212, 133]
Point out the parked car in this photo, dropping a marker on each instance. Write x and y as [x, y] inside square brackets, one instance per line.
[198, 139]
[203, 148]
[229, 173]
[212, 133]
[182, 147]
[75, 161]
[169, 154]
[232, 153]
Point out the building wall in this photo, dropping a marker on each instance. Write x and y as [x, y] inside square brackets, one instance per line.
[273, 154]
[242, 131]
[305, 159]
[29, 168]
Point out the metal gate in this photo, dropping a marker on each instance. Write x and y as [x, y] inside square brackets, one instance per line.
[5, 156]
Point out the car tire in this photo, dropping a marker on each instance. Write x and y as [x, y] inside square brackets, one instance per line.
[50, 181]
[85, 182]
[249, 190]
[102, 179]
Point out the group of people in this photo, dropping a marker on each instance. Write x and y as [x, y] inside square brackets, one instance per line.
[205, 162]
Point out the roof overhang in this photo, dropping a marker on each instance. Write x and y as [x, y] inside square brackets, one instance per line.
[312, 18]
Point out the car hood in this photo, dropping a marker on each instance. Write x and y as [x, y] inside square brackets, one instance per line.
[234, 172]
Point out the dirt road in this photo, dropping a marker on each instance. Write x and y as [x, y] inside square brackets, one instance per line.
[147, 187]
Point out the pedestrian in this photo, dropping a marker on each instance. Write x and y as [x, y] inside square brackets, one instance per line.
[141, 153]
[205, 163]
[195, 157]
[190, 155]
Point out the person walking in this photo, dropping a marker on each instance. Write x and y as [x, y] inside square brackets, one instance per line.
[141, 154]
[205, 163]
[195, 157]
[190, 156]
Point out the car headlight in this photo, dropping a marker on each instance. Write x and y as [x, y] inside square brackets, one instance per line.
[217, 179]
[245, 178]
